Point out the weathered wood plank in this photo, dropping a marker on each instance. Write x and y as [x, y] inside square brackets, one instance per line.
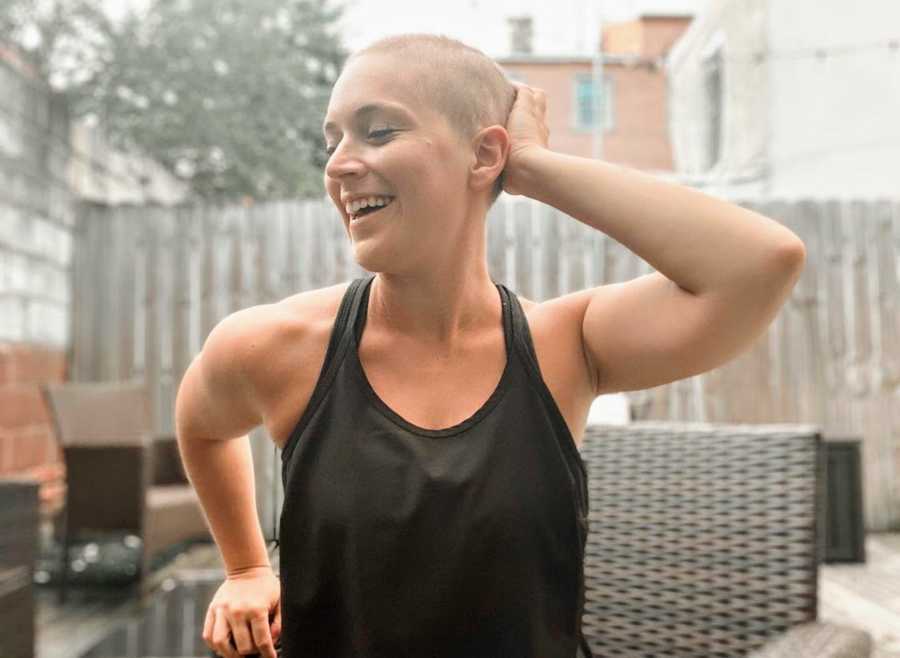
[124, 276]
[152, 348]
[523, 248]
[167, 386]
[145, 298]
[182, 302]
[496, 241]
[551, 242]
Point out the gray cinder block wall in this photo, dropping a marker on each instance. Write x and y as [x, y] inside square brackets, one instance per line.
[48, 163]
[36, 226]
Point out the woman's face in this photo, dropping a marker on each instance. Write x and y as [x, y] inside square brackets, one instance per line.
[383, 142]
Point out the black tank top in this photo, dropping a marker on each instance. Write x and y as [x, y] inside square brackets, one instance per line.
[399, 541]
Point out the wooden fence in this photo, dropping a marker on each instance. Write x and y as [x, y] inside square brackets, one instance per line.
[150, 283]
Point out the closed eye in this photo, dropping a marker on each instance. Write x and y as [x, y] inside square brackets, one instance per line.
[375, 134]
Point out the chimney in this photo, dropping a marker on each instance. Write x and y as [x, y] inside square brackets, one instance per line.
[520, 35]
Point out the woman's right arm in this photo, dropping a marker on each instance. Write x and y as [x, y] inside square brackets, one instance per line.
[214, 410]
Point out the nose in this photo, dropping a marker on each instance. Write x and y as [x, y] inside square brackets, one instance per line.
[344, 162]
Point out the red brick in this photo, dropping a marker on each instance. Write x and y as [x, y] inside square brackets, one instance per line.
[22, 363]
[6, 453]
[28, 450]
[44, 472]
[22, 406]
[6, 364]
[20, 456]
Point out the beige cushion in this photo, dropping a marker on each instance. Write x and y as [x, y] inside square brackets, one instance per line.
[819, 640]
[173, 515]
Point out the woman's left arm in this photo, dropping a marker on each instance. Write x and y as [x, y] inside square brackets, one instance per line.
[698, 241]
[733, 267]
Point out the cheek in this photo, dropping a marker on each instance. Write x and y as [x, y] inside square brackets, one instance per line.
[333, 190]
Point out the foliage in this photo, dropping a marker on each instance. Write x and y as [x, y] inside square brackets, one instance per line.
[227, 95]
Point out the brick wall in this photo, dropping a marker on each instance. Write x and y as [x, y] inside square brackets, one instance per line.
[557, 78]
[36, 224]
[27, 440]
[47, 162]
[640, 137]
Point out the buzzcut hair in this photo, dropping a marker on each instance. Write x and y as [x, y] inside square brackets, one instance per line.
[461, 82]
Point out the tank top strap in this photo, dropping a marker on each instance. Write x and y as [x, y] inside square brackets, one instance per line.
[357, 319]
[338, 343]
[524, 345]
[522, 335]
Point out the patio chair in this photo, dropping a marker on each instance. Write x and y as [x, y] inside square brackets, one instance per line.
[703, 541]
[118, 476]
[18, 547]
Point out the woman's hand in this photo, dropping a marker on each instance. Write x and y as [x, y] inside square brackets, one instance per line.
[241, 610]
[528, 133]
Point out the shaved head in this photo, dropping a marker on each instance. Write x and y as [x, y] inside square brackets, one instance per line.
[462, 83]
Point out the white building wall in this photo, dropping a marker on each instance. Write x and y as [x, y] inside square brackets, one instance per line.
[737, 31]
[36, 219]
[835, 122]
[794, 125]
[96, 172]
[47, 163]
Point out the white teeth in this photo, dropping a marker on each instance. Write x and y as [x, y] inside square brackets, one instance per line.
[355, 206]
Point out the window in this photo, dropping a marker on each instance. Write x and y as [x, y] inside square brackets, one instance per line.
[584, 102]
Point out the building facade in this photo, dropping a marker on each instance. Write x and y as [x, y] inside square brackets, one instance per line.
[788, 100]
[48, 163]
[632, 106]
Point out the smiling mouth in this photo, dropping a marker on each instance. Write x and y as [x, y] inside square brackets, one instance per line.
[370, 210]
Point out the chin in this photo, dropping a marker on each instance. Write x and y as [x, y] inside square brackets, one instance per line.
[389, 257]
[372, 259]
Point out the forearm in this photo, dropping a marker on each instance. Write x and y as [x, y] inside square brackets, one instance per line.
[221, 472]
[699, 242]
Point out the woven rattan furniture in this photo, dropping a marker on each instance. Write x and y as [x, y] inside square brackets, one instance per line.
[18, 546]
[703, 542]
[118, 476]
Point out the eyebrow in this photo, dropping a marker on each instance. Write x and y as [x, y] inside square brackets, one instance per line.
[365, 110]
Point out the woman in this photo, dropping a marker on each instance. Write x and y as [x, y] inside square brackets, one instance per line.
[435, 502]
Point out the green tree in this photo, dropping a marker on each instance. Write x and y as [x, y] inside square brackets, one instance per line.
[228, 95]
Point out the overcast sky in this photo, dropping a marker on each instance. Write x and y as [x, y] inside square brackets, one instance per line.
[560, 26]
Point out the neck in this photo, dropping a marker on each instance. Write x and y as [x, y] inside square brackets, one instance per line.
[434, 309]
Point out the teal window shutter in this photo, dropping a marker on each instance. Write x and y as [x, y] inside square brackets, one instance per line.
[584, 101]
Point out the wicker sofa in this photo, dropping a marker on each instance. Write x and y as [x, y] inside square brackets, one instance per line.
[704, 541]
[119, 476]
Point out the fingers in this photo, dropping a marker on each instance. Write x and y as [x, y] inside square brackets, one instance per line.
[262, 638]
[276, 624]
[534, 98]
[237, 619]
[233, 636]
[221, 636]
[239, 631]
[208, 628]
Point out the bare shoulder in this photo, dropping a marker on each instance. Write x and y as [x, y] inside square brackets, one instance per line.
[299, 334]
[555, 327]
[315, 305]
[260, 364]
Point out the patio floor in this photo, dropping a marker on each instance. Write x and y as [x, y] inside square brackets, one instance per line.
[867, 595]
[863, 595]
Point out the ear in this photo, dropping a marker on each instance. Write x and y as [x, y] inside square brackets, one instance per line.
[490, 149]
